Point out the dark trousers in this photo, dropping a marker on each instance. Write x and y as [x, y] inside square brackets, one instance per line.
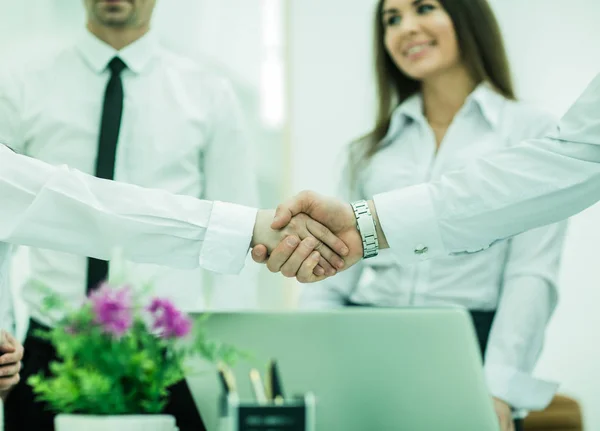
[482, 321]
[23, 413]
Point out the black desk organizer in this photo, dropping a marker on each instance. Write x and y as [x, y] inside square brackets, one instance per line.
[296, 414]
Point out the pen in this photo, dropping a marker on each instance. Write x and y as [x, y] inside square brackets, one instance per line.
[223, 378]
[258, 387]
[275, 382]
[268, 383]
[227, 378]
[230, 379]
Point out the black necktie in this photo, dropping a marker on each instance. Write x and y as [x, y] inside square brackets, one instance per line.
[112, 111]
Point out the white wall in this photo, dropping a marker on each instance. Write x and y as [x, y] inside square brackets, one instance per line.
[553, 46]
[330, 85]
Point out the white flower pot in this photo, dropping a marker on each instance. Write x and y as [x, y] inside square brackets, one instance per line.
[64, 422]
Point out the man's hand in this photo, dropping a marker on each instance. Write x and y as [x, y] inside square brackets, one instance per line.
[10, 363]
[313, 242]
[504, 414]
[335, 214]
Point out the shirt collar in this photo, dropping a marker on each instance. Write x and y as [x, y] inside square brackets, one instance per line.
[489, 102]
[409, 110]
[484, 97]
[97, 54]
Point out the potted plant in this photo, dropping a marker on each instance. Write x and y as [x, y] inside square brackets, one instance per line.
[118, 353]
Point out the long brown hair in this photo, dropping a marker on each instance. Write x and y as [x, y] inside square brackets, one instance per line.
[482, 49]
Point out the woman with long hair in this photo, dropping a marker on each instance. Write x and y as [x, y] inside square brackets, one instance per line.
[445, 97]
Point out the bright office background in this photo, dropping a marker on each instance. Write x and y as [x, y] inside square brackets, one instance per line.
[303, 71]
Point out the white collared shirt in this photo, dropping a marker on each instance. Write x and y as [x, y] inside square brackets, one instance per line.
[517, 278]
[538, 182]
[63, 209]
[181, 131]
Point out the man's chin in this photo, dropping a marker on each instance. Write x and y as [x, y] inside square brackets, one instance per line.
[114, 16]
[114, 20]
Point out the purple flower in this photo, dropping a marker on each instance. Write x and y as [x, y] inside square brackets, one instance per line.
[168, 320]
[113, 309]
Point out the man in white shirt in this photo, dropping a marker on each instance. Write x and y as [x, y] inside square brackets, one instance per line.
[117, 105]
[159, 120]
[67, 210]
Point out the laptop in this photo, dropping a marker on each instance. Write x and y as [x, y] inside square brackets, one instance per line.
[369, 369]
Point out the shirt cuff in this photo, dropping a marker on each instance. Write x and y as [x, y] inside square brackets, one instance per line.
[519, 389]
[408, 220]
[227, 238]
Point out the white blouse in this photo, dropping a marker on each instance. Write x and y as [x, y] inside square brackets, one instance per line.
[515, 277]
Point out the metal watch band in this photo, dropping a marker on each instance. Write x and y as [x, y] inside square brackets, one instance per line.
[366, 228]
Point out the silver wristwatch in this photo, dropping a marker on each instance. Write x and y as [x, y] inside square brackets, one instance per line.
[366, 228]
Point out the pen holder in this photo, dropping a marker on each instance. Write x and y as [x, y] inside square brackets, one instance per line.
[297, 414]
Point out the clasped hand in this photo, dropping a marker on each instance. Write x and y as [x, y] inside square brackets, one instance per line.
[309, 237]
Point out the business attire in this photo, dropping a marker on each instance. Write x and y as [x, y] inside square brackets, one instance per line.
[509, 289]
[66, 210]
[141, 115]
[538, 182]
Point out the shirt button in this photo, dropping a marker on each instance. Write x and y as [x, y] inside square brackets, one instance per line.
[421, 249]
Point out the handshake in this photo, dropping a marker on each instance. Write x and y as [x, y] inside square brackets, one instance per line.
[310, 237]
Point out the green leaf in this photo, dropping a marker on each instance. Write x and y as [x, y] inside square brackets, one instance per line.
[97, 373]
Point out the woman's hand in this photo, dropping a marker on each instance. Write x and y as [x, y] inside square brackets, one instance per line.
[504, 413]
[10, 363]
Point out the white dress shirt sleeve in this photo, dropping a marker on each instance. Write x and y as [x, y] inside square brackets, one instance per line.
[230, 175]
[536, 183]
[527, 300]
[63, 209]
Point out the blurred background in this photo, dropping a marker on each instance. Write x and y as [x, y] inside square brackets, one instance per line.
[302, 69]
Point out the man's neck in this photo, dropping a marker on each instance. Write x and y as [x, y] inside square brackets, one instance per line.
[118, 38]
